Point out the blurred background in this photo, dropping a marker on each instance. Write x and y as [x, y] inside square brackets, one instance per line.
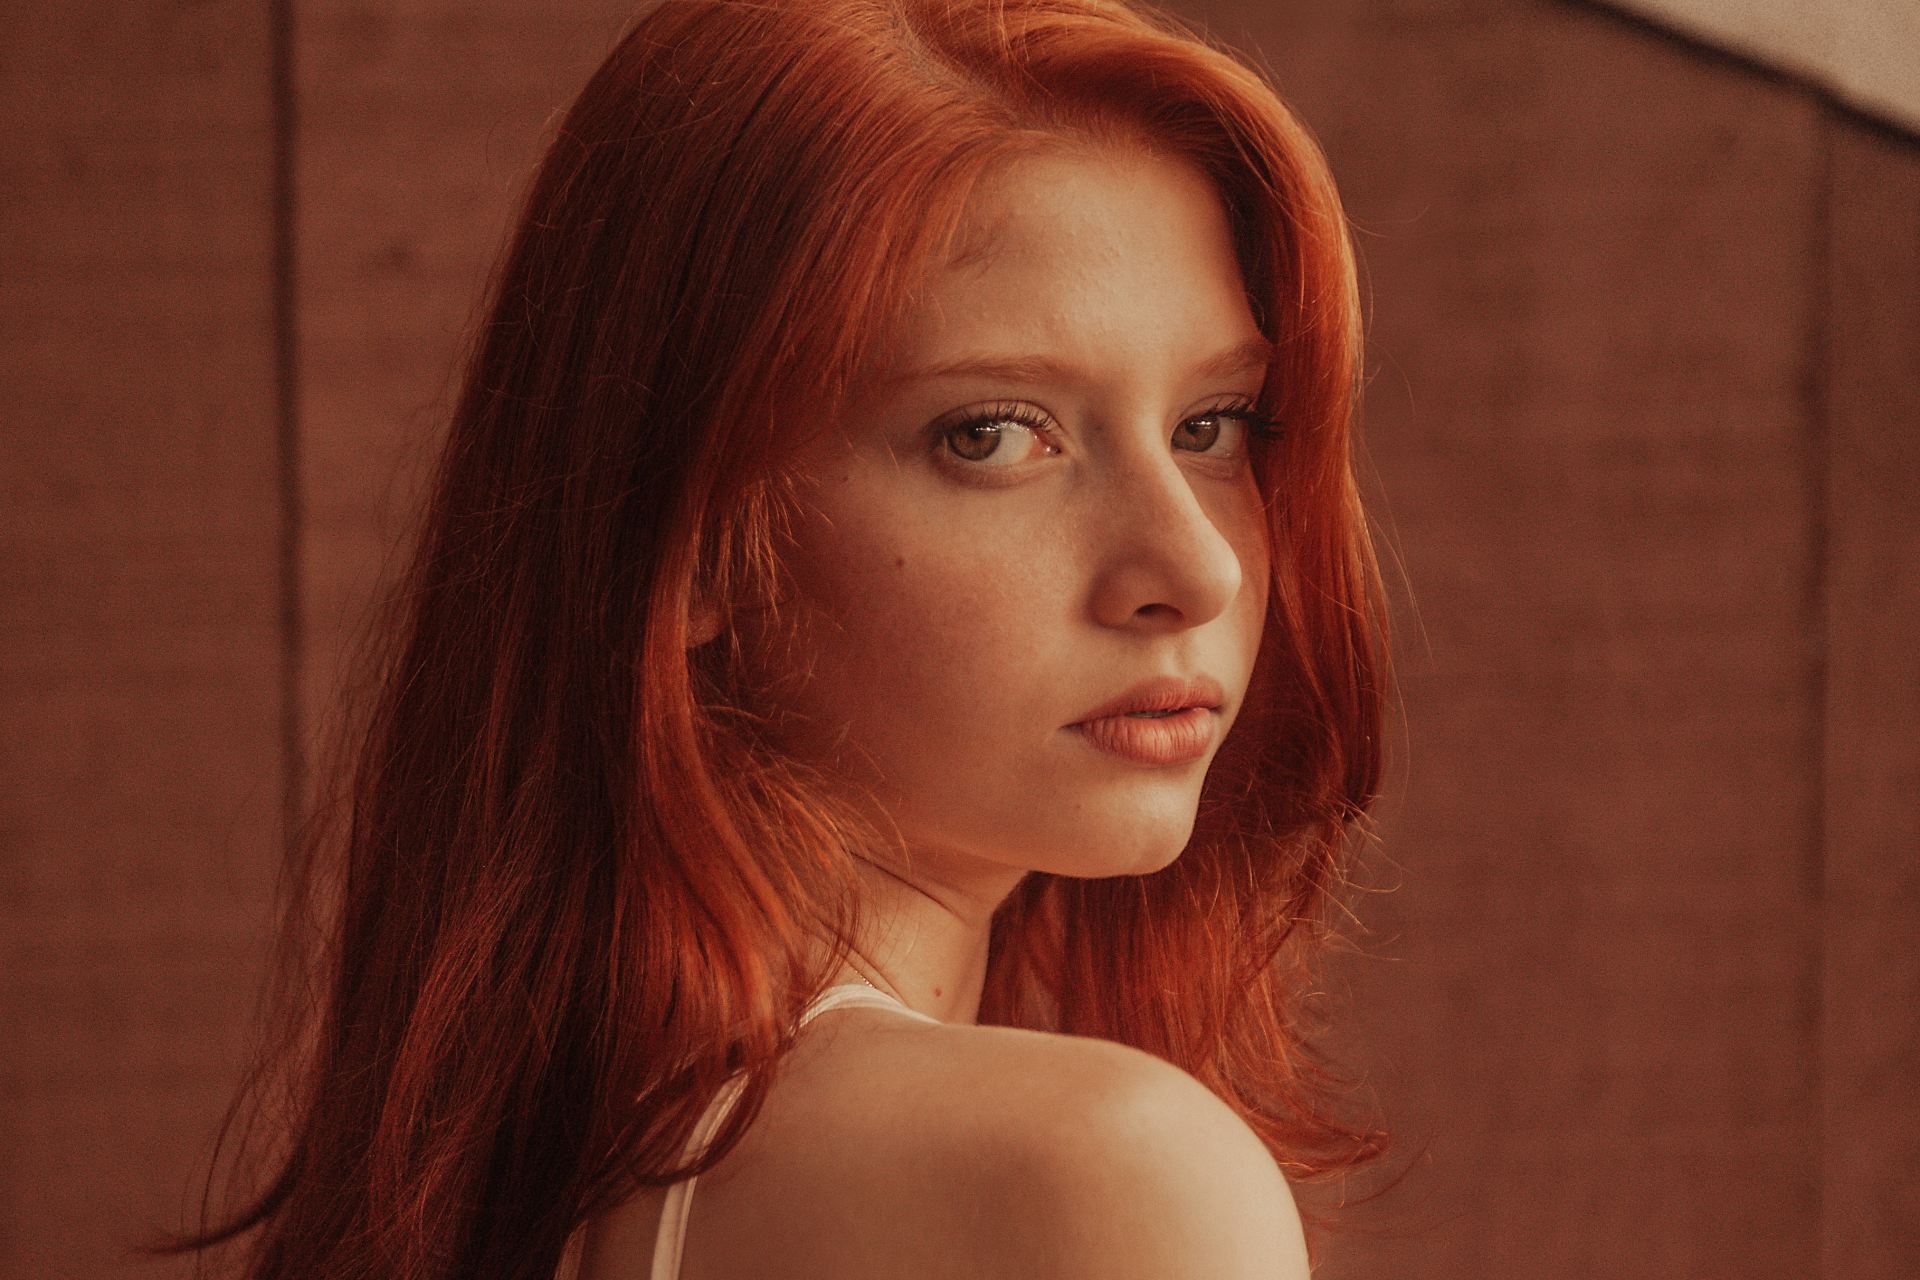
[1639, 994]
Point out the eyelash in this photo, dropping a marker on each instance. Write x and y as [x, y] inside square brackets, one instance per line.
[1259, 425]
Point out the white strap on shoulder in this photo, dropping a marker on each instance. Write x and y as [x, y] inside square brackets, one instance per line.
[671, 1242]
[858, 993]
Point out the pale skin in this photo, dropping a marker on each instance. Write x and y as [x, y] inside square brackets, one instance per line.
[965, 596]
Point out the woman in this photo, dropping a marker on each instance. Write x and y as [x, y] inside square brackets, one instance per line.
[889, 670]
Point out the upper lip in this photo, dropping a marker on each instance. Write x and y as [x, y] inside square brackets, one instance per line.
[1162, 693]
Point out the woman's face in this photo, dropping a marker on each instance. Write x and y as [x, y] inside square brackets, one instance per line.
[987, 554]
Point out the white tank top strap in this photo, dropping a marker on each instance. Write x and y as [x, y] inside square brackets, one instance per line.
[670, 1243]
[858, 993]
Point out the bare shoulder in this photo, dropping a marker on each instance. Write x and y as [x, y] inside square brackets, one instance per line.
[1124, 1165]
[894, 1147]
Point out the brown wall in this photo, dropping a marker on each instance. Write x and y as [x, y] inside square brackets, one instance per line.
[1641, 1000]
[140, 637]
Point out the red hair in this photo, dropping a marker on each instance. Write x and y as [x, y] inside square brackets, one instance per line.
[576, 887]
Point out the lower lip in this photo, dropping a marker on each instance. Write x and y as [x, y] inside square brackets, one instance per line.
[1180, 738]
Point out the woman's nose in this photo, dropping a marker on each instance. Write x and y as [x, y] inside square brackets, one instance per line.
[1161, 558]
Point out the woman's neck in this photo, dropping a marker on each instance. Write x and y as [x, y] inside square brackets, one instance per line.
[928, 932]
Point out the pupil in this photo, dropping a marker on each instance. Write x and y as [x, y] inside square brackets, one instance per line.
[1210, 433]
[975, 435]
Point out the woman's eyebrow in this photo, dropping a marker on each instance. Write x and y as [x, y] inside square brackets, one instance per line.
[1243, 357]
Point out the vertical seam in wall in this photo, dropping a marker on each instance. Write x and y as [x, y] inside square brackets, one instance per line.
[1819, 377]
[287, 419]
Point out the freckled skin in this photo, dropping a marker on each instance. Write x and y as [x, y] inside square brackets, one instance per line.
[951, 614]
[950, 631]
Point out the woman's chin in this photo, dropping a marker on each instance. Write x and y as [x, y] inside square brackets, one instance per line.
[1139, 846]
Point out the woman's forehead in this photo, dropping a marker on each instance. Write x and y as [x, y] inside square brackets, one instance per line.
[1103, 255]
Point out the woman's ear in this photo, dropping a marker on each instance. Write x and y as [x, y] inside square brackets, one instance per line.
[703, 622]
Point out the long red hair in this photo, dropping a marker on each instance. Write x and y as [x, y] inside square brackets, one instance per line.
[575, 887]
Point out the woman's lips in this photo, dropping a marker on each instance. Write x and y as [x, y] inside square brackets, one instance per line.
[1179, 738]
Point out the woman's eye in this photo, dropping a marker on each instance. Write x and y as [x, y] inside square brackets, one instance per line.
[1003, 437]
[1209, 425]
[996, 438]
